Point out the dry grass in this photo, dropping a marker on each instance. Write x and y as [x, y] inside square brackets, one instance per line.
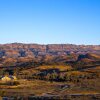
[41, 68]
[36, 87]
[77, 73]
[60, 67]
[39, 87]
[95, 69]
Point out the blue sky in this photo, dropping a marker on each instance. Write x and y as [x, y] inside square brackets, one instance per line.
[50, 21]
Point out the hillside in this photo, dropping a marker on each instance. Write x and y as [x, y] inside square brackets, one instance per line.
[11, 54]
[50, 71]
[32, 50]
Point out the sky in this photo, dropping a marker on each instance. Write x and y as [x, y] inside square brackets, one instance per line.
[50, 21]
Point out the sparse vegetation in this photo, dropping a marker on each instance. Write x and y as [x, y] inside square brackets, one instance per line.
[76, 77]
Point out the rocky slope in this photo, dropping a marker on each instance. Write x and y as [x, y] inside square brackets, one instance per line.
[29, 50]
[18, 52]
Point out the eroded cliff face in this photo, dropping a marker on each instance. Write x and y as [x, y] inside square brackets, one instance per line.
[30, 50]
[59, 52]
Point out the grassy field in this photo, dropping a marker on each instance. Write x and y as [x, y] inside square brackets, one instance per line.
[37, 87]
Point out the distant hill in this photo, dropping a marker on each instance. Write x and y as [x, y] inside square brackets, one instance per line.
[18, 52]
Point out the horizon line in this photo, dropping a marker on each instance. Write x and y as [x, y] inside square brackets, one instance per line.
[46, 43]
